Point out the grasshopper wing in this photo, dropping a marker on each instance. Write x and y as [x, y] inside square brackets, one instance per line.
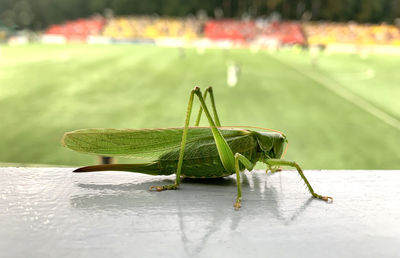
[136, 143]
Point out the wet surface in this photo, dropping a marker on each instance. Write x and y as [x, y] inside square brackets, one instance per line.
[51, 212]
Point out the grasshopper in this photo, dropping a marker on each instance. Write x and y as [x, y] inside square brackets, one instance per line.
[193, 152]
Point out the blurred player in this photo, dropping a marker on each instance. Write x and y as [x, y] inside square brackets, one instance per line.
[315, 53]
[233, 73]
[181, 52]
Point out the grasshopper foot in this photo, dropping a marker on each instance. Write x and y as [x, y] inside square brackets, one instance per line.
[274, 169]
[237, 204]
[163, 187]
[324, 198]
[327, 198]
[157, 188]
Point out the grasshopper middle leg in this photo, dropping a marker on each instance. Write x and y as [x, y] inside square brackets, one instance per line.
[249, 166]
[182, 150]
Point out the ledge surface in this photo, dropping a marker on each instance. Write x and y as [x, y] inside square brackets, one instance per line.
[51, 212]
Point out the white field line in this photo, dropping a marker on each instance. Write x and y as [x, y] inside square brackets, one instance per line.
[346, 94]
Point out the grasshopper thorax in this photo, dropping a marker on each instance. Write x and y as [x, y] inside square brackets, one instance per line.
[271, 144]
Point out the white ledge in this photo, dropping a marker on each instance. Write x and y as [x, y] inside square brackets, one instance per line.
[52, 212]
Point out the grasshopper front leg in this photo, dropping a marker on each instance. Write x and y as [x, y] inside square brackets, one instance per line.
[280, 162]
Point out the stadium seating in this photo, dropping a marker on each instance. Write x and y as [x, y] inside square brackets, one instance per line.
[230, 30]
[351, 33]
[248, 31]
[77, 30]
[147, 27]
[284, 32]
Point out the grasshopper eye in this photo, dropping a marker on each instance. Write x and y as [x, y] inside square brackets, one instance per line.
[282, 138]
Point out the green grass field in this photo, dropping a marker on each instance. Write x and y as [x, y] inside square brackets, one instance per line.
[341, 114]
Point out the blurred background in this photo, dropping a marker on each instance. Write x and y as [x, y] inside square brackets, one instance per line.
[325, 72]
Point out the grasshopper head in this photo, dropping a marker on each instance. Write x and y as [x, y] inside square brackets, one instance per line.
[271, 144]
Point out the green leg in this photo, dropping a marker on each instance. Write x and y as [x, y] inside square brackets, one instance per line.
[279, 162]
[183, 144]
[249, 166]
[224, 151]
[216, 118]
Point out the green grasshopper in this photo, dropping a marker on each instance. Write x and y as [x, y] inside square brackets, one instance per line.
[193, 152]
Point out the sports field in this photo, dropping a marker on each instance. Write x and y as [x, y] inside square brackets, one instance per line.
[341, 113]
